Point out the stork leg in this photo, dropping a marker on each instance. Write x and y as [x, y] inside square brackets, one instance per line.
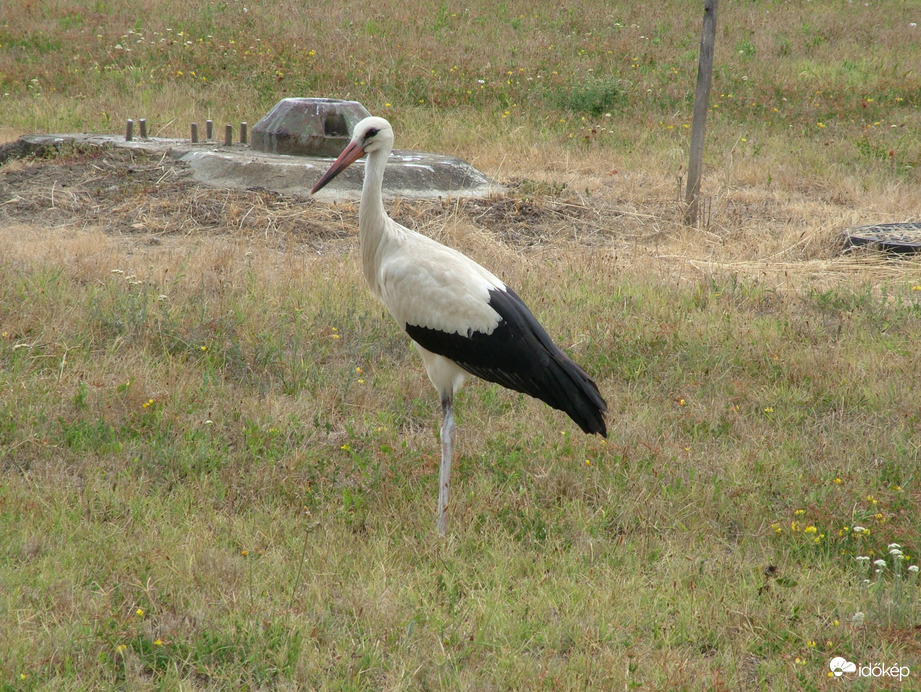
[447, 451]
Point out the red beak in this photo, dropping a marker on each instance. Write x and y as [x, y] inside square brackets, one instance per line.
[349, 155]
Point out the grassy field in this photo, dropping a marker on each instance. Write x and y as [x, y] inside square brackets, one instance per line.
[218, 455]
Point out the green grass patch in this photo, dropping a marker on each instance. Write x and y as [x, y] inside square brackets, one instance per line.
[270, 533]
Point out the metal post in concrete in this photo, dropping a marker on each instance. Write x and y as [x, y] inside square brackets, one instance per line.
[143, 124]
[209, 129]
[194, 133]
[129, 130]
[243, 132]
[228, 135]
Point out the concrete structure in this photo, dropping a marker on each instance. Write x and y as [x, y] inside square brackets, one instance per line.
[894, 237]
[273, 161]
[307, 127]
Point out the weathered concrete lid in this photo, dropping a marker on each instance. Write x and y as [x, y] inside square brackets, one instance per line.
[307, 126]
[409, 174]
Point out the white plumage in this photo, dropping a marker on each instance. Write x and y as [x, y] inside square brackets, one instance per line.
[463, 319]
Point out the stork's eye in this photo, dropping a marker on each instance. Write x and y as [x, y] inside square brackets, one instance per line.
[371, 133]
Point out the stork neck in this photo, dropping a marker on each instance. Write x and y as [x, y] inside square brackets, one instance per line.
[374, 226]
[371, 211]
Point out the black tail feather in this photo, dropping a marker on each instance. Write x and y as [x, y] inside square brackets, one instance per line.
[568, 387]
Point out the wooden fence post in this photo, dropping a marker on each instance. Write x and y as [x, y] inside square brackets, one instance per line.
[701, 104]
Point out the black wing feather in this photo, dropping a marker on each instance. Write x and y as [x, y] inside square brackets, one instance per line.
[520, 355]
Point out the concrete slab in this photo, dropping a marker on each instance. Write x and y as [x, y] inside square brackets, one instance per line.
[410, 174]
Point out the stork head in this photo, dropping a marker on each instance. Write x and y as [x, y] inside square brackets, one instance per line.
[370, 135]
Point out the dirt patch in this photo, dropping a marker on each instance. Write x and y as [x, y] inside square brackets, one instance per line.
[536, 221]
[124, 192]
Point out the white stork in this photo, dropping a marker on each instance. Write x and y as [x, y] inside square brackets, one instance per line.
[461, 317]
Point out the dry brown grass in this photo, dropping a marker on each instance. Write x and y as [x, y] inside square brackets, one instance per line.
[789, 240]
